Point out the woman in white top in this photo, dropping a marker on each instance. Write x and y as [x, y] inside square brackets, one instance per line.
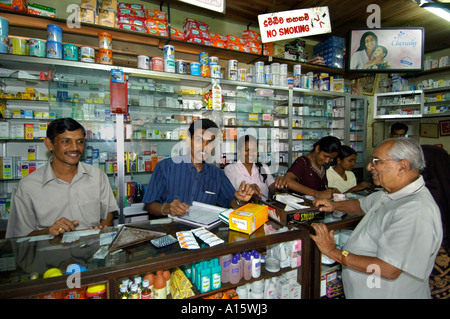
[363, 54]
[340, 175]
[249, 170]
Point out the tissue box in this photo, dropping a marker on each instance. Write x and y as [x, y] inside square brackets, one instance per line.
[248, 218]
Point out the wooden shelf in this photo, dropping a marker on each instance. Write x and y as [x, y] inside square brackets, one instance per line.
[28, 21]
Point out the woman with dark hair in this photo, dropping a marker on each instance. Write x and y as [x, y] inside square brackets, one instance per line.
[363, 54]
[340, 175]
[307, 175]
[248, 169]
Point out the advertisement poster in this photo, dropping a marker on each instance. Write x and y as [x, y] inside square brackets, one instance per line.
[386, 50]
[294, 24]
[214, 5]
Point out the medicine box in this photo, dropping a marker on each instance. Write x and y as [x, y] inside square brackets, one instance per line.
[4, 129]
[29, 132]
[248, 218]
[7, 167]
[89, 4]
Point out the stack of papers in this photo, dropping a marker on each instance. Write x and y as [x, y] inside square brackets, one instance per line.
[203, 215]
[292, 202]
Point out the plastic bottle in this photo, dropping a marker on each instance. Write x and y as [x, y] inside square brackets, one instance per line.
[89, 151]
[188, 270]
[137, 281]
[146, 292]
[225, 263]
[159, 288]
[123, 294]
[216, 277]
[198, 268]
[134, 294]
[166, 275]
[247, 265]
[235, 270]
[205, 281]
[126, 283]
[139, 194]
[241, 263]
[256, 265]
[151, 280]
[193, 272]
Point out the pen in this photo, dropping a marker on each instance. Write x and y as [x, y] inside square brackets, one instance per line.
[97, 240]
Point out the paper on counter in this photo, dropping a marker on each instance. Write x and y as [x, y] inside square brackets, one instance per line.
[35, 238]
[101, 253]
[292, 202]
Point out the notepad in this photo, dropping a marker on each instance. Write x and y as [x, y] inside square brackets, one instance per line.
[201, 214]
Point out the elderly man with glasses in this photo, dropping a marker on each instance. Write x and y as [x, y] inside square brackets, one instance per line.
[392, 250]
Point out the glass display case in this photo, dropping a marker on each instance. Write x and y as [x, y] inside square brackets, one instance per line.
[314, 116]
[37, 269]
[436, 101]
[405, 104]
[357, 132]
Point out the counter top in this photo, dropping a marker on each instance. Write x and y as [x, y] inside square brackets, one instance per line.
[22, 260]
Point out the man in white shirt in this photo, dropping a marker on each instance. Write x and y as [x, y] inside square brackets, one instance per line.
[391, 252]
[65, 194]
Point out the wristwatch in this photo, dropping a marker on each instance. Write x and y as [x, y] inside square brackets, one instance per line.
[344, 256]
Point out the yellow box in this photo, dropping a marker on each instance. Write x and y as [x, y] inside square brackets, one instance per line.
[248, 218]
[29, 131]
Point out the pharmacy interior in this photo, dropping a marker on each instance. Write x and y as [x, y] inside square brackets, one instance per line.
[135, 74]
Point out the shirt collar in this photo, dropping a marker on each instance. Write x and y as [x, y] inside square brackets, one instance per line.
[243, 168]
[409, 189]
[49, 174]
[186, 159]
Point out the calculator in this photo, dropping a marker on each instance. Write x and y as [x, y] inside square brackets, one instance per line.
[163, 241]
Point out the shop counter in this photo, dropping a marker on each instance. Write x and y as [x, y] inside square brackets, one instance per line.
[24, 262]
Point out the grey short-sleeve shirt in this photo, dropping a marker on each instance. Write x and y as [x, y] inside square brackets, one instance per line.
[40, 199]
[403, 229]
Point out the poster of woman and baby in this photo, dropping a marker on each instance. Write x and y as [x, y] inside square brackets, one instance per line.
[386, 50]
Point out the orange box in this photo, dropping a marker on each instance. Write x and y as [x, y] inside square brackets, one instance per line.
[251, 34]
[248, 218]
[156, 15]
[232, 40]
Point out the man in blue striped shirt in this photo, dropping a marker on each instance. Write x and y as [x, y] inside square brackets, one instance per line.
[178, 181]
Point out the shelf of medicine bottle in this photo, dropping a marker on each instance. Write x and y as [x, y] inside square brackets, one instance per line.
[436, 89]
[440, 114]
[39, 23]
[308, 139]
[225, 286]
[27, 101]
[317, 128]
[256, 126]
[437, 102]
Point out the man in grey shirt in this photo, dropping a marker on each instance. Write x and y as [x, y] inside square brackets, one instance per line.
[65, 194]
[391, 252]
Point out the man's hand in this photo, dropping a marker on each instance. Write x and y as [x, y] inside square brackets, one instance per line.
[257, 190]
[324, 205]
[178, 208]
[62, 225]
[244, 192]
[323, 238]
[280, 182]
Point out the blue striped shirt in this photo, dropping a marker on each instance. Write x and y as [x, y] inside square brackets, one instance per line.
[177, 178]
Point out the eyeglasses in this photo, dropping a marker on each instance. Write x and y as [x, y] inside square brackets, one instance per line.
[375, 161]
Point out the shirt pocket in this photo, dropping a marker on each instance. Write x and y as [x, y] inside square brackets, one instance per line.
[90, 210]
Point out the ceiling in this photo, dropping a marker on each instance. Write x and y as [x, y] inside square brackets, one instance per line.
[346, 15]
